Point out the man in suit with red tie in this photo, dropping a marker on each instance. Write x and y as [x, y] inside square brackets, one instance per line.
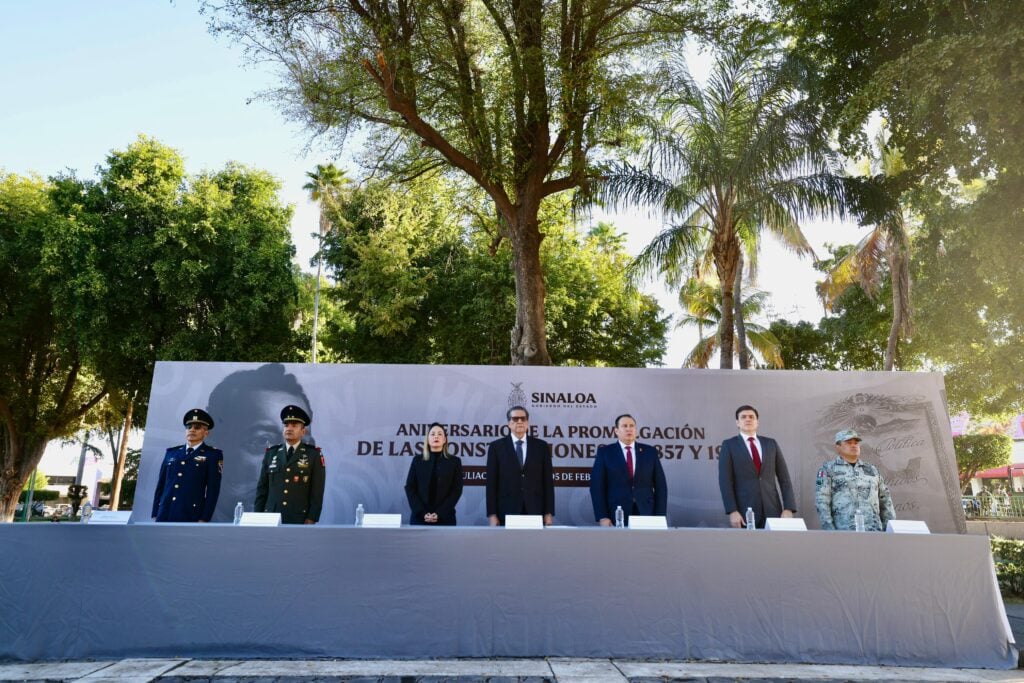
[627, 474]
[520, 480]
[751, 471]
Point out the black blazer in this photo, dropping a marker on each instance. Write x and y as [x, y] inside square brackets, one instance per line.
[742, 487]
[514, 492]
[449, 488]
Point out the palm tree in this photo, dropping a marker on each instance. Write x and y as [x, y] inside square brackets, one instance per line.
[888, 244]
[741, 155]
[328, 187]
[702, 302]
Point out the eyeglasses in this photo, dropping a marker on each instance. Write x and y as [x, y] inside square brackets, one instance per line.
[518, 418]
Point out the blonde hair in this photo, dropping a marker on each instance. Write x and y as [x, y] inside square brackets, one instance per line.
[426, 441]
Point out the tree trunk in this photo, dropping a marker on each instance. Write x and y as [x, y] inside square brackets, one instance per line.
[899, 275]
[122, 450]
[529, 334]
[12, 477]
[726, 256]
[741, 329]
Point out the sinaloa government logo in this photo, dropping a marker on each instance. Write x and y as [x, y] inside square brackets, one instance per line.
[516, 397]
[551, 399]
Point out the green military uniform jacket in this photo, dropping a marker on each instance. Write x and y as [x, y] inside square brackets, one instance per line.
[292, 486]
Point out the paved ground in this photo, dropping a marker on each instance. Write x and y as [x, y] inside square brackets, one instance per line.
[555, 670]
[473, 671]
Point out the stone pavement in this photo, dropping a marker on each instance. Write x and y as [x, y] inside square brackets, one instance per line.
[473, 671]
[554, 670]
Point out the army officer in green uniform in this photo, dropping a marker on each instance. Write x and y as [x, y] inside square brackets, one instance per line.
[292, 474]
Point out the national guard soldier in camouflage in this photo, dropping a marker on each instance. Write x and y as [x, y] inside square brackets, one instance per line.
[292, 474]
[189, 475]
[848, 483]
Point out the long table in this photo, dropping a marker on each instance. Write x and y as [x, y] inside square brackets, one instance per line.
[218, 591]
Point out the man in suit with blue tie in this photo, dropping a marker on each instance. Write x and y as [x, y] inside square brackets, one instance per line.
[751, 470]
[627, 474]
[520, 479]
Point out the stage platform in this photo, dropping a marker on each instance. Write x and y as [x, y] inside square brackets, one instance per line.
[72, 591]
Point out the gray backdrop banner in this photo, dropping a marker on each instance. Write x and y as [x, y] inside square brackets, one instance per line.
[370, 420]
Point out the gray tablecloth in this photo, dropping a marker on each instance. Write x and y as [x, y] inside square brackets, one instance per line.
[76, 591]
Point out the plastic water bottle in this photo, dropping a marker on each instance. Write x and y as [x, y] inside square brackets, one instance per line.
[86, 513]
[359, 514]
[239, 509]
[751, 523]
[858, 520]
[620, 517]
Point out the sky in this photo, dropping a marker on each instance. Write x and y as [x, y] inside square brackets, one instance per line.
[79, 79]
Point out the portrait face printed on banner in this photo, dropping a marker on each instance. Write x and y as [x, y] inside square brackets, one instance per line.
[625, 430]
[849, 450]
[293, 432]
[436, 439]
[747, 422]
[248, 409]
[518, 423]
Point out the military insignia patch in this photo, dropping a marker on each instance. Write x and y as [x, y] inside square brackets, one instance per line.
[322, 463]
[200, 458]
[220, 467]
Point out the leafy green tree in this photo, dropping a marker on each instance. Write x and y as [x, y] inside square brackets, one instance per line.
[978, 452]
[517, 98]
[740, 156]
[40, 482]
[421, 280]
[702, 302]
[945, 74]
[46, 388]
[164, 266]
[327, 186]
[887, 244]
[969, 308]
[853, 337]
[802, 346]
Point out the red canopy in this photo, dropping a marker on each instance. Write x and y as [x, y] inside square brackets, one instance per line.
[1005, 472]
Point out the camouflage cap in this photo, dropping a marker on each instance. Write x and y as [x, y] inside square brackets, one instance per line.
[846, 435]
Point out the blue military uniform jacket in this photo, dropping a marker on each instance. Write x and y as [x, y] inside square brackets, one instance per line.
[292, 486]
[189, 484]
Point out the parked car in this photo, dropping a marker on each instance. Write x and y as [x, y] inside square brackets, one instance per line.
[41, 509]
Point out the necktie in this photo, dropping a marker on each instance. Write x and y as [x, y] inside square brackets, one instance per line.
[188, 452]
[754, 454]
[519, 453]
[629, 461]
[291, 452]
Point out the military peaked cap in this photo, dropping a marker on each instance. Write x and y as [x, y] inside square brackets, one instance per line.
[198, 415]
[295, 414]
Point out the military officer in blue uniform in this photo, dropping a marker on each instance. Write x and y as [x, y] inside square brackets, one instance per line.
[189, 475]
[292, 475]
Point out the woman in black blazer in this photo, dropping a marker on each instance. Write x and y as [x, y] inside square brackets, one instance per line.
[434, 484]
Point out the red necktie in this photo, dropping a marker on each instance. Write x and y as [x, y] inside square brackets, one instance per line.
[754, 454]
[629, 461]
